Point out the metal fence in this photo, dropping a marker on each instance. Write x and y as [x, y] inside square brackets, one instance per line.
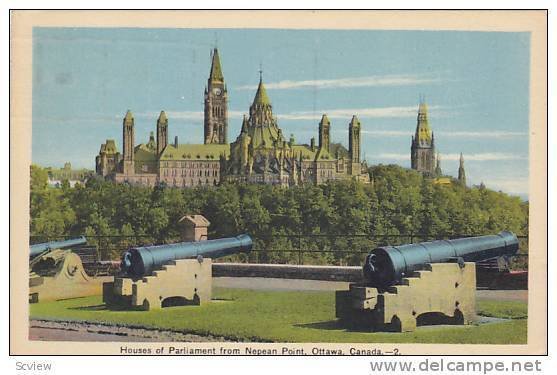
[300, 248]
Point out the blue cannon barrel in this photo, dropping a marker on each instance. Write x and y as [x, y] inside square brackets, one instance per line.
[385, 266]
[40, 248]
[141, 261]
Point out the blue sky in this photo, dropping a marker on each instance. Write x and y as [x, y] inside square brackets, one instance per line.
[475, 83]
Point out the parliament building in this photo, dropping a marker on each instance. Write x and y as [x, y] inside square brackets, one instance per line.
[260, 153]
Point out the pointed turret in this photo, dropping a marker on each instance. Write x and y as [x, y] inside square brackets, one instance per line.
[152, 144]
[423, 132]
[354, 139]
[162, 132]
[245, 125]
[261, 97]
[262, 125]
[461, 171]
[216, 70]
[324, 133]
[438, 171]
[128, 143]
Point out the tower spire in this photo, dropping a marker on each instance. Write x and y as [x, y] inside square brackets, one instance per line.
[461, 171]
[423, 143]
[324, 132]
[128, 143]
[216, 70]
[162, 132]
[438, 171]
[261, 96]
[216, 104]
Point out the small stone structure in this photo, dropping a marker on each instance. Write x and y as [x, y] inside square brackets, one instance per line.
[442, 293]
[194, 228]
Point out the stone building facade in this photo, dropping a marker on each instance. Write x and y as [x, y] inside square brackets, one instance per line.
[260, 154]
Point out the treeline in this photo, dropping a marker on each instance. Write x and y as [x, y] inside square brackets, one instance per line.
[334, 223]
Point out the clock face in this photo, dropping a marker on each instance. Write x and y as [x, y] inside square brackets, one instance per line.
[217, 91]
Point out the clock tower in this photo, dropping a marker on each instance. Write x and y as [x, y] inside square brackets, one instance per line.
[216, 104]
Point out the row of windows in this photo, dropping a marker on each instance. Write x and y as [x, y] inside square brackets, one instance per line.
[325, 165]
[191, 172]
[190, 182]
[189, 164]
[218, 111]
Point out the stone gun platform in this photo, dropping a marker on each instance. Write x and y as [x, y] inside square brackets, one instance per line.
[442, 293]
[180, 282]
[60, 275]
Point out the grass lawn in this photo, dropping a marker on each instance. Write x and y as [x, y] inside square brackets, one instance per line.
[249, 315]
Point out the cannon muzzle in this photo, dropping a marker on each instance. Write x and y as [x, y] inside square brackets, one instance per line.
[141, 261]
[40, 248]
[387, 265]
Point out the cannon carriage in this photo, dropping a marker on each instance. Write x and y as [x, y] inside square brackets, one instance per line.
[153, 277]
[420, 284]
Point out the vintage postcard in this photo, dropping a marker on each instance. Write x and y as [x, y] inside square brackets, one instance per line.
[278, 182]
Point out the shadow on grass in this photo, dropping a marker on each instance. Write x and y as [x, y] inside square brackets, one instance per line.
[103, 307]
[333, 325]
[337, 325]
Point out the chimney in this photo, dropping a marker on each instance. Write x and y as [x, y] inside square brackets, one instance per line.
[312, 144]
[176, 141]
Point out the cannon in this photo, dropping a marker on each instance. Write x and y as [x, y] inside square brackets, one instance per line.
[56, 272]
[177, 274]
[141, 261]
[37, 249]
[420, 284]
[387, 265]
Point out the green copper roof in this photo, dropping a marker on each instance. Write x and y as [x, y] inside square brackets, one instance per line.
[305, 151]
[144, 153]
[265, 136]
[323, 154]
[261, 95]
[423, 131]
[216, 70]
[211, 151]
[308, 154]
